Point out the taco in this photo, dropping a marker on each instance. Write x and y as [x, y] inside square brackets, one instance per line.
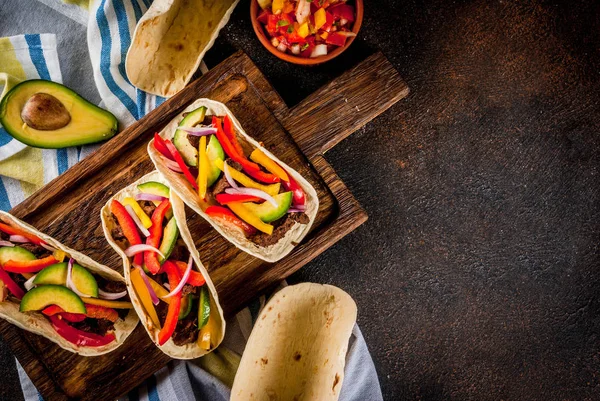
[297, 349]
[59, 293]
[253, 199]
[170, 41]
[169, 287]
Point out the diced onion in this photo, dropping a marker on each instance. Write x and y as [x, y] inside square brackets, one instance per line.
[137, 220]
[275, 42]
[111, 295]
[199, 131]
[18, 238]
[253, 192]
[347, 34]
[149, 197]
[319, 50]
[153, 296]
[47, 247]
[139, 248]
[228, 176]
[184, 279]
[29, 283]
[70, 283]
[302, 11]
[282, 47]
[295, 49]
[6, 243]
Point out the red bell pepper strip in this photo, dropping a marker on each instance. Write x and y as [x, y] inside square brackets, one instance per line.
[129, 228]
[336, 39]
[79, 337]
[230, 133]
[30, 266]
[196, 278]
[101, 312]
[12, 286]
[156, 232]
[297, 193]
[186, 171]
[220, 212]
[174, 306]
[10, 230]
[224, 198]
[260, 175]
[161, 146]
[230, 149]
[342, 10]
[70, 317]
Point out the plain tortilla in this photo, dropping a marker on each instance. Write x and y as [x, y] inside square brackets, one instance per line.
[170, 41]
[178, 182]
[38, 324]
[297, 349]
[188, 351]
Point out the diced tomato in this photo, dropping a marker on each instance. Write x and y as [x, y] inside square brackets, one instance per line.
[272, 24]
[320, 3]
[307, 47]
[285, 23]
[342, 10]
[263, 17]
[336, 39]
[329, 20]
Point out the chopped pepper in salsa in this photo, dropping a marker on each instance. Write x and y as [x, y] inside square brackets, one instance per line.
[307, 28]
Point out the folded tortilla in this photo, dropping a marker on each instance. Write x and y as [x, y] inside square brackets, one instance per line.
[38, 324]
[232, 233]
[170, 41]
[188, 351]
[297, 349]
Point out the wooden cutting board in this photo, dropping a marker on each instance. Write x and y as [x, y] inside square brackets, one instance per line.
[68, 208]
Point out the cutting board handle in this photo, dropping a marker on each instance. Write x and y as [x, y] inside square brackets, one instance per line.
[344, 105]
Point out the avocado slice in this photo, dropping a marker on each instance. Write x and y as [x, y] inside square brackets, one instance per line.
[57, 274]
[183, 145]
[16, 253]
[214, 151]
[46, 114]
[170, 235]
[186, 307]
[155, 188]
[40, 297]
[204, 307]
[269, 213]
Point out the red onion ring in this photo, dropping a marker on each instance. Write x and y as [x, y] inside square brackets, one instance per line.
[228, 176]
[149, 197]
[47, 247]
[295, 210]
[18, 238]
[6, 243]
[137, 221]
[111, 295]
[29, 283]
[253, 192]
[198, 131]
[173, 166]
[184, 279]
[139, 248]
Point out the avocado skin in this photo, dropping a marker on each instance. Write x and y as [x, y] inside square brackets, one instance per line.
[104, 126]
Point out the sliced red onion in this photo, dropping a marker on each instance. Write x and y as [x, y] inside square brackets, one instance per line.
[253, 192]
[149, 197]
[137, 220]
[6, 243]
[172, 165]
[29, 283]
[139, 248]
[198, 131]
[295, 210]
[155, 299]
[184, 279]
[228, 176]
[18, 238]
[111, 295]
[70, 283]
[47, 247]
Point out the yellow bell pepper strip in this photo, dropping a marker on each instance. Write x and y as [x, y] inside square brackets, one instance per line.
[243, 213]
[259, 157]
[107, 303]
[246, 181]
[146, 222]
[303, 30]
[30, 266]
[159, 290]
[27, 275]
[202, 168]
[320, 18]
[174, 306]
[59, 255]
[144, 296]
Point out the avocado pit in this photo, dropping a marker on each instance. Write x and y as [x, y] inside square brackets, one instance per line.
[45, 112]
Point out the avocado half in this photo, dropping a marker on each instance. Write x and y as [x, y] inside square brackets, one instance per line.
[60, 116]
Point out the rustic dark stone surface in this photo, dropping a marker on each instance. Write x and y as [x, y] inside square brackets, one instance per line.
[477, 275]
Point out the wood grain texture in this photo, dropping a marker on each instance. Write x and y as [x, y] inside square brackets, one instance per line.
[75, 221]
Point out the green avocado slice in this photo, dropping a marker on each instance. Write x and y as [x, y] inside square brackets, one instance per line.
[183, 145]
[155, 188]
[60, 116]
[41, 297]
[204, 307]
[56, 274]
[170, 235]
[16, 253]
[186, 307]
[269, 213]
[214, 151]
